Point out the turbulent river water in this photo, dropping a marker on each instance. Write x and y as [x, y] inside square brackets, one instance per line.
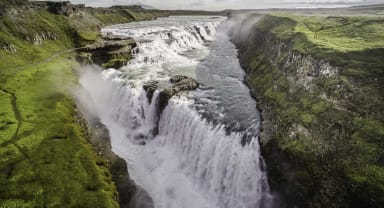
[205, 151]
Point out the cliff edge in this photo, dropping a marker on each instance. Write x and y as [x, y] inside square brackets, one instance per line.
[319, 83]
[46, 156]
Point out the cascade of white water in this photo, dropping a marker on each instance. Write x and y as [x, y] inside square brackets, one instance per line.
[162, 43]
[224, 170]
[190, 163]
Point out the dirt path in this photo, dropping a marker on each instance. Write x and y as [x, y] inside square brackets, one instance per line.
[17, 114]
[13, 96]
[49, 58]
[13, 99]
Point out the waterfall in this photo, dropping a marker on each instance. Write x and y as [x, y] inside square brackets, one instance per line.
[180, 158]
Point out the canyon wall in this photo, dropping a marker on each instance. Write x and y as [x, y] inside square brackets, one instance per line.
[321, 136]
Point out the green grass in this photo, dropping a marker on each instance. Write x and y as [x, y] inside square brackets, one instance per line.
[49, 162]
[8, 123]
[340, 33]
[15, 29]
[45, 158]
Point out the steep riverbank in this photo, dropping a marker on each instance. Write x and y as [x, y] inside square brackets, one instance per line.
[47, 159]
[320, 91]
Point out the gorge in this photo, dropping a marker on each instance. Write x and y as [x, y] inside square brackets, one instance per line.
[204, 143]
[131, 107]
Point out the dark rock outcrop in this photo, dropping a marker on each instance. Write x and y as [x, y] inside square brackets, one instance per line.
[108, 52]
[64, 7]
[179, 83]
[127, 189]
[150, 87]
[38, 38]
[10, 48]
[183, 83]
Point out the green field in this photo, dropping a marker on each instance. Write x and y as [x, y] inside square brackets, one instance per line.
[45, 157]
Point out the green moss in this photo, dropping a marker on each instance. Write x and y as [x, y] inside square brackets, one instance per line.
[16, 31]
[45, 159]
[320, 107]
[328, 139]
[8, 123]
[115, 63]
[369, 182]
[307, 118]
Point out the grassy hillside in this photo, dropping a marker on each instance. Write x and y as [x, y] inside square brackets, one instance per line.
[326, 132]
[45, 158]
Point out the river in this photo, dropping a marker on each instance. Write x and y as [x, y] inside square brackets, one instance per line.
[202, 151]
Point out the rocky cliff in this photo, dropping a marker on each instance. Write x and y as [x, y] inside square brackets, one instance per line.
[323, 131]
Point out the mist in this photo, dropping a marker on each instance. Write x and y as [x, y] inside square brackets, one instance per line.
[92, 106]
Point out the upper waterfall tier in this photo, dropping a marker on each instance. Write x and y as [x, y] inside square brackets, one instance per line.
[166, 46]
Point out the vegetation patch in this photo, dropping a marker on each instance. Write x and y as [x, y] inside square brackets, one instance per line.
[325, 146]
[45, 157]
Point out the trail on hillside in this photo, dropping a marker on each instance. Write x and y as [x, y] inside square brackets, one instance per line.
[49, 58]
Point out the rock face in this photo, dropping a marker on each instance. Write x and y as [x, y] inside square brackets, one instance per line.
[311, 125]
[150, 87]
[64, 7]
[127, 189]
[38, 38]
[179, 83]
[183, 83]
[301, 69]
[108, 52]
[10, 48]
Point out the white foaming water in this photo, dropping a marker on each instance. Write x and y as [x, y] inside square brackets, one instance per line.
[190, 163]
[162, 44]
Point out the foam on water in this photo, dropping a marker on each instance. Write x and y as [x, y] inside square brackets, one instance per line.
[191, 162]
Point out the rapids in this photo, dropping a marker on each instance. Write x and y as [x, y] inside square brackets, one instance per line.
[205, 153]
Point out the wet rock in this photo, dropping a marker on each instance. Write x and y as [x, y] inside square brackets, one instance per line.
[111, 36]
[180, 83]
[141, 199]
[164, 97]
[109, 53]
[183, 83]
[140, 139]
[150, 87]
[128, 191]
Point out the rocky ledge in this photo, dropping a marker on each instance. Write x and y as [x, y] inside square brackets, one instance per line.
[109, 52]
[179, 83]
[129, 194]
[317, 136]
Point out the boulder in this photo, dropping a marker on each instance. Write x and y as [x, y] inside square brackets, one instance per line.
[179, 83]
[150, 87]
[184, 83]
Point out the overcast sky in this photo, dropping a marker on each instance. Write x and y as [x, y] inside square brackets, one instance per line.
[229, 4]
